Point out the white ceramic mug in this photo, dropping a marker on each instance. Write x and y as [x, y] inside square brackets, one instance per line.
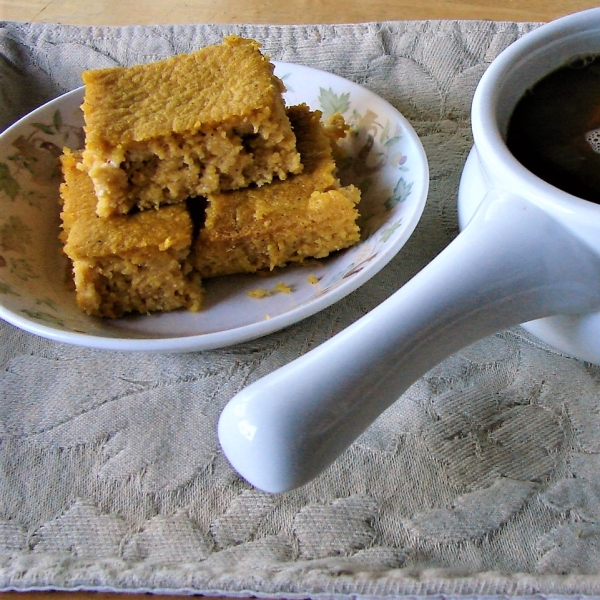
[527, 253]
[491, 168]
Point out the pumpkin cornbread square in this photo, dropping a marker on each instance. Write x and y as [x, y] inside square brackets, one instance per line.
[186, 126]
[125, 263]
[308, 215]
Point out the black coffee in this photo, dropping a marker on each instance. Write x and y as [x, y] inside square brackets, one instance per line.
[555, 129]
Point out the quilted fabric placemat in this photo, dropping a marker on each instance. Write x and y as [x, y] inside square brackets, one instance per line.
[482, 479]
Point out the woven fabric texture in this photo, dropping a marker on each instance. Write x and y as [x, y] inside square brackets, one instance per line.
[482, 479]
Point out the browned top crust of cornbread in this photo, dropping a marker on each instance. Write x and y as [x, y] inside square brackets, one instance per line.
[125, 263]
[179, 94]
[308, 215]
[188, 125]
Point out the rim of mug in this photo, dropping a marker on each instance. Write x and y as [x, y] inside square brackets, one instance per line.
[488, 139]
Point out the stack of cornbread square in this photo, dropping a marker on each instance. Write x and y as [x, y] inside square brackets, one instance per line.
[206, 132]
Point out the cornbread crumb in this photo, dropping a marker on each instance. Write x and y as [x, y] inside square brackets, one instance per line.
[280, 288]
[308, 215]
[336, 127]
[284, 288]
[186, 126]
[125, 263]
[312, 279]
[258, 293]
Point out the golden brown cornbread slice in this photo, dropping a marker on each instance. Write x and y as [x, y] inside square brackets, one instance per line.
[186, 126]
[125, 263]
[308, 215]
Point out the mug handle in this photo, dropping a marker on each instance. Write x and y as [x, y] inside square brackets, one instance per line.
[512, 263]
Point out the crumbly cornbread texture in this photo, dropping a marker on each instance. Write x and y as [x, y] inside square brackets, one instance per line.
[308, 215]
[125, 263]
[186, 126]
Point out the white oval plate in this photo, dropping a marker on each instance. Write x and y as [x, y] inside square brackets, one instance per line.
[385, 159]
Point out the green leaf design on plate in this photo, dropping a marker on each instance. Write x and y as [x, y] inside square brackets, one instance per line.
[55, 127]
[15, 235]
[332, 103]
[47, 129]
[42, 316]
[400, 193]
[388, 231]
[57, 120]
[47, 302]
[8, 184]
[5, 288]
[21, 268]
[37, 155]
[388, 137]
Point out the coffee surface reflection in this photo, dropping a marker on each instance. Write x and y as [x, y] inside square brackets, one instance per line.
[555, 129]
